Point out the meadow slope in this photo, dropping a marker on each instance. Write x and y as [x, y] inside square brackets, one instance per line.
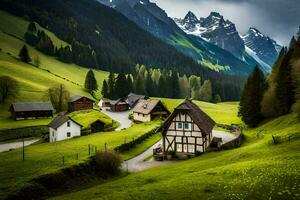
[257, 170]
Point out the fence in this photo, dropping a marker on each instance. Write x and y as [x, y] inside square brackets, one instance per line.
[287, 138]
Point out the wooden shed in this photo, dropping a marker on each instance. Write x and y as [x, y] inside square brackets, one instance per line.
[97, 126]
[78, 102]
[119, 105]
[21, 111]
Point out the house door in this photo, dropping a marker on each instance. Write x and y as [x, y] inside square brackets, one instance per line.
[185, 144]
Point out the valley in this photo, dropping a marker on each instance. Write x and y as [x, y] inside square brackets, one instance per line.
[144, 106]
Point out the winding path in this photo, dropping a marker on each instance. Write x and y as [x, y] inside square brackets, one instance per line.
[138, 164]
[121, 117]
[14, 145]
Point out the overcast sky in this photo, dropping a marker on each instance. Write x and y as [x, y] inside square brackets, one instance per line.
[279, 19]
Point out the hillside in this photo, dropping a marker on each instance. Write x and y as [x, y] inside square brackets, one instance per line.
[35, 81]
[257, 170]
[113, 42]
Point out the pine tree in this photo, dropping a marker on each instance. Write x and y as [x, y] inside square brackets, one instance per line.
[121, 89]
[32, 27]
[111, 85]
[250, 103]
[90, 82]
[285, 90]
[149, 86]
[217, 99]
[140, 85]
[104, 90]
[129, 84]
[174, 85]
[184, 87]
[206, 91]
[24, 54]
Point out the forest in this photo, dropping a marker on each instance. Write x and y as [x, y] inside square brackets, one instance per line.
[115, 44]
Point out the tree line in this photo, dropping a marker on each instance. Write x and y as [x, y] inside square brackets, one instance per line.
[103, 39]
[154, 82]
[276, 94]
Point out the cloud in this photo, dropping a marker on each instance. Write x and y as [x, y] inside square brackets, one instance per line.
[277, 18]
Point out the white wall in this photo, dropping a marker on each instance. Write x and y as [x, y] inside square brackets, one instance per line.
[61, 132]
[141, 117]
[185, 134]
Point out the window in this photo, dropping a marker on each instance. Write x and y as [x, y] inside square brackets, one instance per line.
[68, 134]
[179, 124]
[187, 125]
[68, 124]
[52, 133]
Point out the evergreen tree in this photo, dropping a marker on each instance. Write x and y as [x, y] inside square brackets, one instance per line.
[140, 85]
[24, 54]
[149, 86]
[104, 90]
[174, 85]
[32, 27]
[90, 82]
[217, 99]
[129, 84]
[121, 89]
[111, 85]
[250, 104]
[285, 90]
[45, 43]
[292, 42]
[206, 91]
[184, 87]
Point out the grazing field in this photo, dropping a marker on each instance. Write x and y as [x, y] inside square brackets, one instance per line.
[47, 157]
[223, 113]
[257, 170]
[34, 81]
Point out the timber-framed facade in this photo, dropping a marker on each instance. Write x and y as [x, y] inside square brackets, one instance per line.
[187, 130]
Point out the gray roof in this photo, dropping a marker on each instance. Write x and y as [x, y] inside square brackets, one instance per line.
[77, 97]
[132, 99]
[203, 121]
[23, 107]
[145, 106]
[60, 120]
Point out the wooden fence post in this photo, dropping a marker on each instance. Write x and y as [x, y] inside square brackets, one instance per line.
[77, 156]
[105, 146]
[89, 149]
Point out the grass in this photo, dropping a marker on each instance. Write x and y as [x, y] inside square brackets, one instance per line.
[223, 113]
[257, 170]
[86, 117]
[35, 81]
[141, 147]
[47, 157]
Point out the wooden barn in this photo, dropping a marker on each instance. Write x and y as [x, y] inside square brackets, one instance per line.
[132, 99]
[78, 102]
[97, 126]
[146, 110]
[119, 105]
[21, 111]
[187, 130]
[104, 103]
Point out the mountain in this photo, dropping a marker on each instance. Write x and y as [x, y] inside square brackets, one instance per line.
[214, 29]
[155, 20]
[252, 48]
[265, 48]
[116, 43]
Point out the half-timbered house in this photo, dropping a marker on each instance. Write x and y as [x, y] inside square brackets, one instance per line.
[187, 130]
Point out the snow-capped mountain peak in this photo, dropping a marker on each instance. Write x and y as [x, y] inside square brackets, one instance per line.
[265, 48]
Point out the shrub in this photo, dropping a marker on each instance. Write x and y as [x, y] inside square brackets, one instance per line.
[107, 163]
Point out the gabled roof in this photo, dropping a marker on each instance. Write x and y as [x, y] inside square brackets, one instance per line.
[203, 121]
[146, 106]
[77, 97]
[23, 107]
[114, 102]
[60, 120]
[98, 121]
[132, 99]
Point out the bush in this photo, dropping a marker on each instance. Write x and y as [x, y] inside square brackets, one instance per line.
[107, 163]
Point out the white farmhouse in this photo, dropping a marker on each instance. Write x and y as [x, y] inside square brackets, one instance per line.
[146, 110]
[62, 128]
[187, 130]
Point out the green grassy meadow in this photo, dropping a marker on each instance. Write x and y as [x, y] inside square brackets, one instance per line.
[47, 157]
[257, 170]
[34, 81]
